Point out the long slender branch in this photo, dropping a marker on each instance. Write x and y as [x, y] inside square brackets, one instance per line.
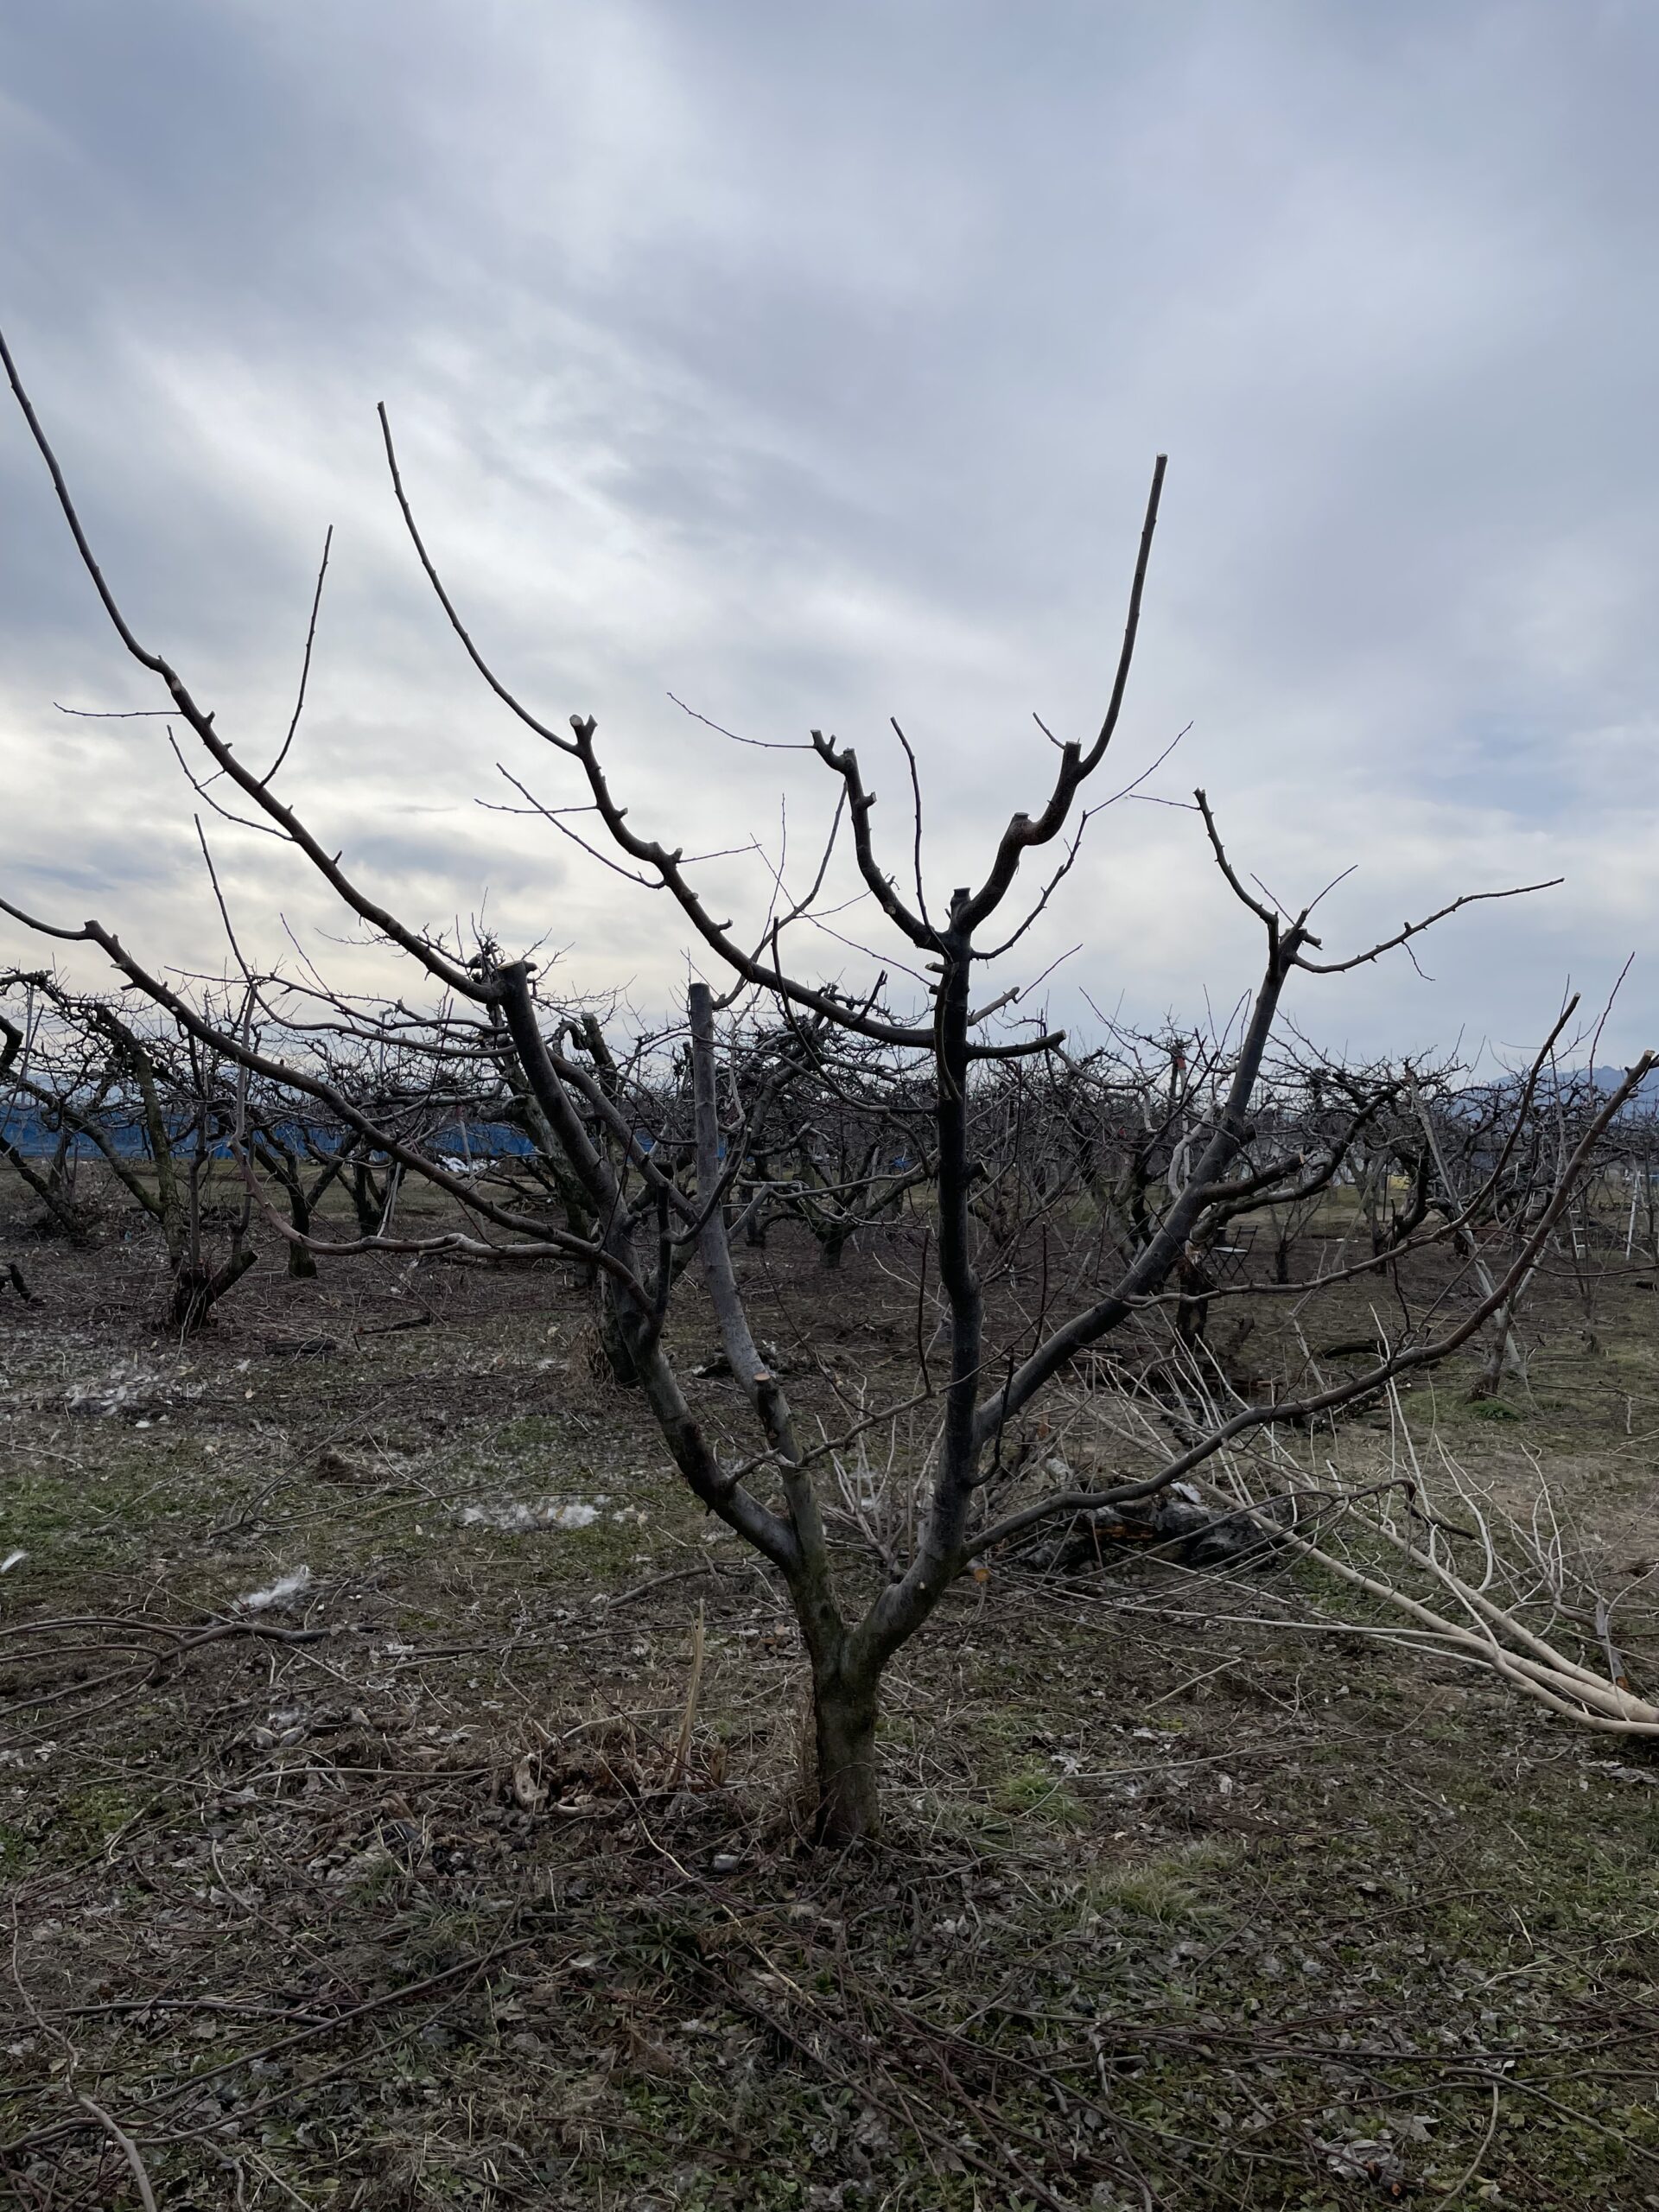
[380, 918]
[1076, 765]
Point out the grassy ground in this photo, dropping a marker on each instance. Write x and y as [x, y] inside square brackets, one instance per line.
[398, 1892]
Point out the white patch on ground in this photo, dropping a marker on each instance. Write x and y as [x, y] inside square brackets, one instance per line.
[133, 1389]
[518, 1517]
[11, 1560]
[282, 1591]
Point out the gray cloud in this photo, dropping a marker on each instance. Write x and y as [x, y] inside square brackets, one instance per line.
[809, 365]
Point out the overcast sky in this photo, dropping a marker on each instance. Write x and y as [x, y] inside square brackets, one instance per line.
[808, 364]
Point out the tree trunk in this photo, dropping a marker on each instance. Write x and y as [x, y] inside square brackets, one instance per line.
[1504, 1358]
[61, 1213]
[301, 1264]
[1197, 1287]
[611, 1326]
[845, 1808]
[367, 1199]
[191, 1297]
[197, 1288]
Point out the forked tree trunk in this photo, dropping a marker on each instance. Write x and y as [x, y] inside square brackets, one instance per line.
[196, 1289]
[845, 1807]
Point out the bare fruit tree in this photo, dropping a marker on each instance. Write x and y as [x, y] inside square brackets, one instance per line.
[156, 1103]
[977, 1478]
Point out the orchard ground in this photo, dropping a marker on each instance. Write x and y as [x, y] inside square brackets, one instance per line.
[467, 1869]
